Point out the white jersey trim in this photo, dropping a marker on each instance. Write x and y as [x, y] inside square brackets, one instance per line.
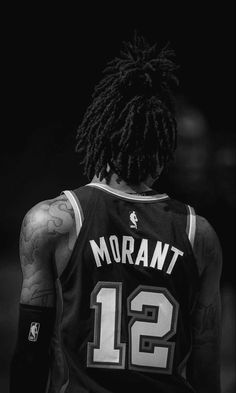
[126, 195]
[78, 214]
[192, 225]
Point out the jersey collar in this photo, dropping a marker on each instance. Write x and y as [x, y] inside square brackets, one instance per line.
[133, 197]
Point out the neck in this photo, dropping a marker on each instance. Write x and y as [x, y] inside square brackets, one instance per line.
[123, 186]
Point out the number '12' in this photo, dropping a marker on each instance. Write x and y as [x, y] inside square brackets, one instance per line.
[153, 322]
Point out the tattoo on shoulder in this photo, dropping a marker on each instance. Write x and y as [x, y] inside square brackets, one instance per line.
[43, 227]
[53, 218]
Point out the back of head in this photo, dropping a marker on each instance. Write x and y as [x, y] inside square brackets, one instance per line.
[130, 123]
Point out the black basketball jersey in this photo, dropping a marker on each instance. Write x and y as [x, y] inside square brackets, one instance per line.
[126, 295]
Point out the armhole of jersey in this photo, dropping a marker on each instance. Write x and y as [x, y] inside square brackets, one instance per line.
[79, 217]
[191, 224]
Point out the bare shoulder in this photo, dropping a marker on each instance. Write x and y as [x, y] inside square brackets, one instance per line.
[49, 218]
[47, 234]
[206, 231]
[207, 247]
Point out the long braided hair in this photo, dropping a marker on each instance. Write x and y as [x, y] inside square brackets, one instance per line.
[130, 123]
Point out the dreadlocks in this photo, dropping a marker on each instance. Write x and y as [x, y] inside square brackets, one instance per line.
[130, 123]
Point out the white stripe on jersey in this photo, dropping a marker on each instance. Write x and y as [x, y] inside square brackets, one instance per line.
[74, 204]
[192, 225]
[126, 195]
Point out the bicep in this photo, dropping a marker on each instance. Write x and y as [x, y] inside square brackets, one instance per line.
[206, 316]
[206, 324]
[203, 368]
[36, 260]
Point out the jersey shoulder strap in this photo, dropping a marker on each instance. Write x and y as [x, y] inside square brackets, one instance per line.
[80, 202]
[77, 208]
[185, 216]
[191, 224]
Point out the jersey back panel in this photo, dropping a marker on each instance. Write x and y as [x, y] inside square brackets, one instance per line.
[128, 292]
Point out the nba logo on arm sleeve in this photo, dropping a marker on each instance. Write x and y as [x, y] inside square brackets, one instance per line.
[34, 331]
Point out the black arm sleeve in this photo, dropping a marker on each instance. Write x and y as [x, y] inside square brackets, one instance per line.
[30, 363]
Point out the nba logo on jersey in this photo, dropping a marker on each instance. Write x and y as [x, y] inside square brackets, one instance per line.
[133, 219]
[34, 331]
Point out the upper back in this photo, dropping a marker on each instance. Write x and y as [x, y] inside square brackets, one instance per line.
[112, 218]
[132, 262]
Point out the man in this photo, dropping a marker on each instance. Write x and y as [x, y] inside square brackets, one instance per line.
[120, 283]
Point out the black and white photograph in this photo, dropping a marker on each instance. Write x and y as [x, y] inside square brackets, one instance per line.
[118, 157]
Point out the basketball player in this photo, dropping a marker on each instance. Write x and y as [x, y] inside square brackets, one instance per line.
[120, 282]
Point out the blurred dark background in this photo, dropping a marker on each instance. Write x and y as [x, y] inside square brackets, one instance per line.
[52, 58]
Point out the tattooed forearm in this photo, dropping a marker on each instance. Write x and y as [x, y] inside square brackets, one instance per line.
[43, 297]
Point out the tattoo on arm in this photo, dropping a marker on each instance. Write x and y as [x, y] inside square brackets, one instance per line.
[45, 226]
[206, 323]
[43, 297]
[203, 368]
